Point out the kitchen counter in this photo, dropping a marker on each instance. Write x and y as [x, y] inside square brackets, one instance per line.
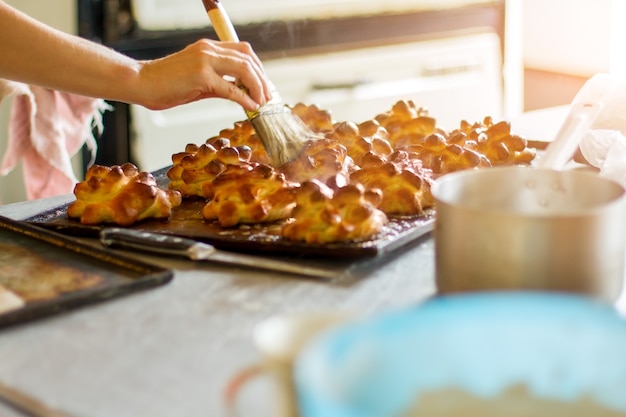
[169, 351]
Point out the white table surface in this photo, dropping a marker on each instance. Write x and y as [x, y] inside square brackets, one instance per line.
[169, 351]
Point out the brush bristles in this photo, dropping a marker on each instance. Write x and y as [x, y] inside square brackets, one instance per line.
[283, 133]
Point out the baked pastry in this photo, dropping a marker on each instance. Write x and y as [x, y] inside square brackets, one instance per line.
[243, 134]
[405, 184]
[367, 137]
[407, 124]
[316, 119]
[120, 194]
[443, 155]
[193, 169]
[195, 160]
[248, 193]
[324, 215]
[495, 141]
[320, 159]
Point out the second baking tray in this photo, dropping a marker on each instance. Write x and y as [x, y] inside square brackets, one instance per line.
[43, 273]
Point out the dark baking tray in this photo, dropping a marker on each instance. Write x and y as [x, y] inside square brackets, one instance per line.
[55, 273]
[187, 221]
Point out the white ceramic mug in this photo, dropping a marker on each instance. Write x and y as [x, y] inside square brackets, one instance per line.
[279, 340]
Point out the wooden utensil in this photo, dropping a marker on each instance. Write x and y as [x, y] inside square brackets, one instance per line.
[23, 402]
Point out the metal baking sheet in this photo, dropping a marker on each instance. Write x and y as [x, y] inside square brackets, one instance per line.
[187, 221]
[52, 273]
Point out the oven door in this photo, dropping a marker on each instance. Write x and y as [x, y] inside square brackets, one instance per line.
[455, 78]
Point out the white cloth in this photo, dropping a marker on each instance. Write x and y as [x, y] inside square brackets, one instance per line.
[604, 145]
[46, 129]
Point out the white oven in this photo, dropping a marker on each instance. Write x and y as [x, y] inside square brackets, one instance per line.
[454, 75]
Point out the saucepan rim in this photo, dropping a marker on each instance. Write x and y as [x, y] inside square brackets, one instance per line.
[440, 189]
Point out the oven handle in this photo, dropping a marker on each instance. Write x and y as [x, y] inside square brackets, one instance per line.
[428, 72]
[332, 93]
[348, 85]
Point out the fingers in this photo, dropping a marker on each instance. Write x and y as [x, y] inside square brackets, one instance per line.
[246, 49]
[238, 60]
[204, 69]
[231, 91]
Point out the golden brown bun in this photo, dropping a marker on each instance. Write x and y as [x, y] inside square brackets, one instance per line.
[367, 137]
[122, 195]
[495, 141]
[199, 165]
[405, 184]
[324, 215]
[316, 119]
[242, 134]
[319, 159]
[441, 156]
[248, 193]
[407, 124]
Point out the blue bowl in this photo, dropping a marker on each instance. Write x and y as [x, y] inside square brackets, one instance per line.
[559, 347]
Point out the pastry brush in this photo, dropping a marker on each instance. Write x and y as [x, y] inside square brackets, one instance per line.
[282, 133]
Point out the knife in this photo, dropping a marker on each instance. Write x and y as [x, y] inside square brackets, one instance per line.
[160, 243]
[9, 300]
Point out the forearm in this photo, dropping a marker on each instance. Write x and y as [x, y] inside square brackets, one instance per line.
[37, 54]
[69, 63]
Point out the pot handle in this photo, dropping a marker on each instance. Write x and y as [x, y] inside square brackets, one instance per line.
[560, 151]
[584, 110]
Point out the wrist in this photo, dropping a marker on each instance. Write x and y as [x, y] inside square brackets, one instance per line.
[125, 82]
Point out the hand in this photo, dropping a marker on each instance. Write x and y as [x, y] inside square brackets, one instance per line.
[199, 72]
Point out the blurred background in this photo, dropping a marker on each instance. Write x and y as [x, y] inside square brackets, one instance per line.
[460, 59]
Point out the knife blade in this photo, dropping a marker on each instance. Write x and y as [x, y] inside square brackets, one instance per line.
[159, 243]
[9, 300]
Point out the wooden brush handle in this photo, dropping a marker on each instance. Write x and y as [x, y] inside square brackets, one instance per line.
[220, 21]
[225, 30]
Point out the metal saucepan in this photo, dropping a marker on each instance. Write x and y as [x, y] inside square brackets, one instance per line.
[532, 228]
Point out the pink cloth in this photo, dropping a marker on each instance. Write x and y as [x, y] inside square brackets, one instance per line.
[46, 129]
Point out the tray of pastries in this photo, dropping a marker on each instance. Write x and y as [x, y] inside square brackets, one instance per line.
[362, 189]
